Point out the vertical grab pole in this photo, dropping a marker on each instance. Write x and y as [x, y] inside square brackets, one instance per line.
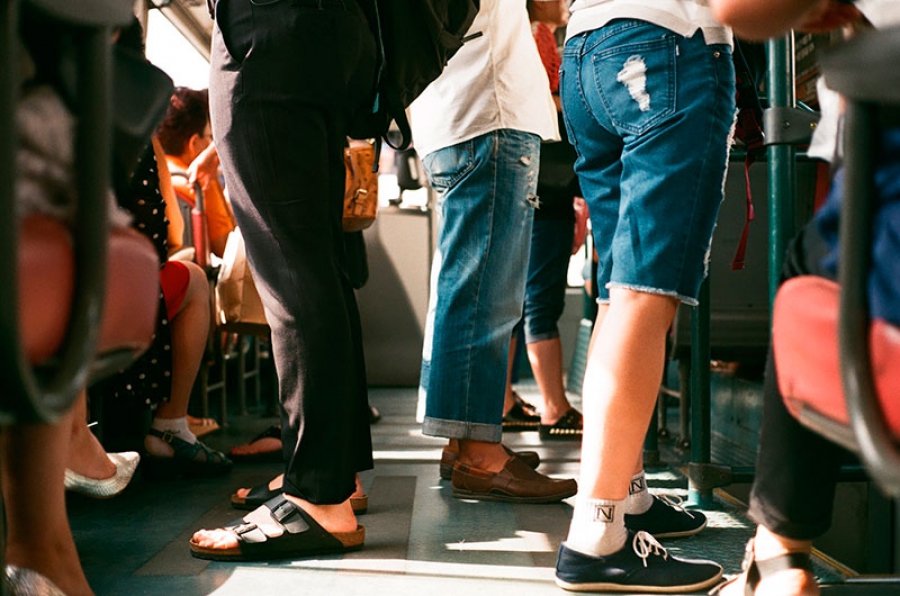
[701, 400]
[781, 158]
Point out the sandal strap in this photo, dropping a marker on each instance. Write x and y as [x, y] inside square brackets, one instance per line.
[273, 432]
[276, 518]
[759, 569]
[783, 563]
[189, 451]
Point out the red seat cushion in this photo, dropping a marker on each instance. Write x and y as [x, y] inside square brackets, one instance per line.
[46, 283]
[805, 343]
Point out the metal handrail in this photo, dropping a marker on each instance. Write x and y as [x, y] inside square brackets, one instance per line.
[866, 90]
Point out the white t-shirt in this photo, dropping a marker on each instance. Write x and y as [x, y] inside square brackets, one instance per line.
[681, 16]
[495, 81]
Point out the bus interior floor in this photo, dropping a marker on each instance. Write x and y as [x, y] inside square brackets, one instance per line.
[419, 538]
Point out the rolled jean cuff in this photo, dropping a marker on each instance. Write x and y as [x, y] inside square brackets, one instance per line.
[456, 429]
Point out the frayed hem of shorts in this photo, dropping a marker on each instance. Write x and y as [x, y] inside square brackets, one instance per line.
[687, 300]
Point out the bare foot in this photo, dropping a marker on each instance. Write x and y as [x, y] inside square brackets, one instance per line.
[333, 518]
[359, 492]
[58, 562]
[790, 582]
[87, 456]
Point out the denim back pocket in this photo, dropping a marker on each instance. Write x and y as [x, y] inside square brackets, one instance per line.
[447, 166]
[636, 83]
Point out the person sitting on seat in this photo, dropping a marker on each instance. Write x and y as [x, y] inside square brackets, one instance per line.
[41, 555]
[186, 138]
[792, 497]
[163, 377]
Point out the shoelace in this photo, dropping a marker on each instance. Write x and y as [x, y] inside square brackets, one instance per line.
[675, 502]
[645, 545]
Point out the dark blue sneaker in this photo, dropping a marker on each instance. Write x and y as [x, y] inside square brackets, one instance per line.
[642, 565]
[666, 519]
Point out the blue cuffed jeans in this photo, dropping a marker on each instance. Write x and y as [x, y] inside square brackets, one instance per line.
[486, 190]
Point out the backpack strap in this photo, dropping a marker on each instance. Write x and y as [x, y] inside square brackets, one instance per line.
[750, 132]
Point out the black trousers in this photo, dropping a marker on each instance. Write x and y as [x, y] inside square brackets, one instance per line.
[796, 469]
[286, 78]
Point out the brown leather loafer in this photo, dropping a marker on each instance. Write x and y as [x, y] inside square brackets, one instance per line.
[515, 483]
[448, 458]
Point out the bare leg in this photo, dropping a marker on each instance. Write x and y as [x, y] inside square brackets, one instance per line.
[508, 401]
[190, 329]
[620, 389]
[86, 455]
[545, 357]
[33, 463]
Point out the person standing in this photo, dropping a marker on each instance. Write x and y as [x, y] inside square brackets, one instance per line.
[648, 95]
[287, 78]
[479, 128]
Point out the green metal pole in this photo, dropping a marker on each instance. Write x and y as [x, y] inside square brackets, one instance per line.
[781, 159]
[701, 398]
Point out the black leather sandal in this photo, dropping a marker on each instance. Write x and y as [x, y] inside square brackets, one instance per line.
[570, 427]
[280, 530]
[248, 453]
[522, 416]
[755, 570]
[189, 459]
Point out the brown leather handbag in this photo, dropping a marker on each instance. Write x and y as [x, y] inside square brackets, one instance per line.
[361, 187]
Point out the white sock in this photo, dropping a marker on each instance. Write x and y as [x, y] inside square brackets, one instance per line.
[639, 498]
[175, 426]
[598, 527]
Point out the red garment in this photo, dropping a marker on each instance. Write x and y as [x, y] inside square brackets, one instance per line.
[174, 278]
[546, 44]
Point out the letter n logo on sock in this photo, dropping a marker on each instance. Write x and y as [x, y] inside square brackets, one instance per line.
[604, 513]
[637, 485]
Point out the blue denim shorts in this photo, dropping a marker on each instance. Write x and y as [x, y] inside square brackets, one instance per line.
[650, 113]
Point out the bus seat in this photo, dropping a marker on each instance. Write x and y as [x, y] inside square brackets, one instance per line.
[805, 341]
[46, 266]
[53, 264]
[858, 406]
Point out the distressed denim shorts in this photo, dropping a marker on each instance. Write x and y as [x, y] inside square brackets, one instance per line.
[650, 113]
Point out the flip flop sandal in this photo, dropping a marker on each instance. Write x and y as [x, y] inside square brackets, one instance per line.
[521, 416]
[188, 459]
[241, 453]
[568, 428]
[202, 426]
[258, 496]
[280, 530]
[755, 570]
